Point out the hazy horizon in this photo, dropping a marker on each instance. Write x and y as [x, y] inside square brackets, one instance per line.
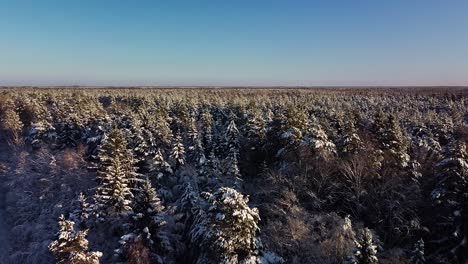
[241, 43]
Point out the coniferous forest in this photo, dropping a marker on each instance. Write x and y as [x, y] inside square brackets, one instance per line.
[319, 175]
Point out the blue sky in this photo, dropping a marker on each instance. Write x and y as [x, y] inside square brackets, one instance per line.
[263, 42]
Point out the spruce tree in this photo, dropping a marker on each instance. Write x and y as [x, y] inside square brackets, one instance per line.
[207, 136]
[178, 152]
[116, 176]
[11, 124]
[83, 210]
[451, 201]
[365, 251]
[210, 169]
[319, 141]
[195, 149]
[146, 220]
[158, 166]
[225, 228]
[391, 138]
[417, 255]
[71, 247]
[255, 130]
[232, 145]
[349, 141]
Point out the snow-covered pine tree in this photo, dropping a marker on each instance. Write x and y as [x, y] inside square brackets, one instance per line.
[225, 228]
[365, 251]
[207, 136]
[451, 201]
[196, 153]
[255, 130]
[148, 211]
[11, 124]
[69, 131]
[391, 137]
[71, 247]
[163, 131]
[276, 129]
[417, 255]
[178, 152]
[116, 176]
[349, 141]
[158, 166]
[232, 148]
[145, 149]
[210, 169]
[298, 121]
[147, 218]
[319, 141]
[83, 210]
[94, 135]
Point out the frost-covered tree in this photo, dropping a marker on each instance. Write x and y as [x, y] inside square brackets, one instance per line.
[148, 208]
[232, 147]
[11, 124]
[178, 152]
[196, 153]
[349, 140]
[158, 166]
[319, 141]
[451, 201]
[225, 229]
[71, 247]
[365, 251]
[255, 130]
[391, 138]
[146, 221]
[275, 135]
[144, 148]
[206, 132]
[83, 210]
[94, 136]
[69, 131]
[163, 132]
[417, 254]
[210, 168]
[116, 176]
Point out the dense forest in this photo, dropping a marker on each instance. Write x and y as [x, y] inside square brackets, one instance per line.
[329, 175]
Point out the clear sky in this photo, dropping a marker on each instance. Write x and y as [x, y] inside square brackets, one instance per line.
[234, 42]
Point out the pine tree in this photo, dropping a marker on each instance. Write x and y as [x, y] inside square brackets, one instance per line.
[207, 136]
[417, 255]
[148, 208]
[116, 176]
[365, 251]
[163, 131]
[232, 145]
[178, 152]
[319, 141]
[71, 247]
[83, 210]
[451, 201]
[195, 149]
[349, 141]
[11, 123]
[146, 221]
[225, 229]
[276, 129]
[69, 131]
[158, 166]
[255, 130]
[144, 148]
[391, 137]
